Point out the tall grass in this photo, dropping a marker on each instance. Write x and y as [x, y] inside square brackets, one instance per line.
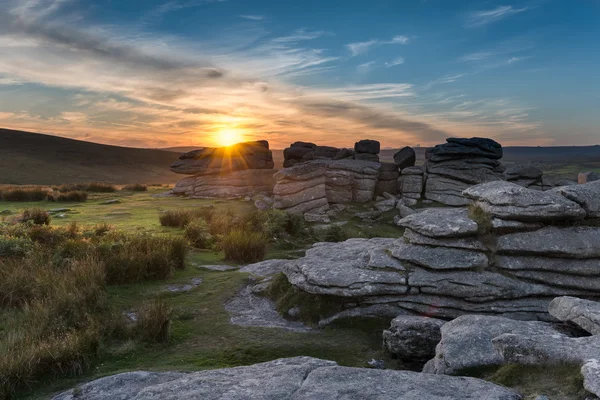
[244, 247]
[136, 187]
[96, 187]
[75, 195]
[197, 232]
[155, 321]
[180, 218]
[24, 194]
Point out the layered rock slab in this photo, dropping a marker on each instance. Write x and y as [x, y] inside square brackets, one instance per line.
[300, 378]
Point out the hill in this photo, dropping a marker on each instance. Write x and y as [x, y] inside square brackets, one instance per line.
[33, 158]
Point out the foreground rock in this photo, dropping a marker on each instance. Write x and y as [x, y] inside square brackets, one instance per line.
[412, 338]
[466, 342]
[584, 313]
[300, 378]
[244, 169]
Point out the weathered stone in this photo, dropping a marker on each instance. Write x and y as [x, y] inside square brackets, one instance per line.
[309, 194]
[509, 201]
[586, 177]
[440, 258]
[405, 157]
[319, 218]
[366, 157]
[467, 342]
[343, 153]
[587, 195]
[583, 268]
[404, 210]
[412, 338]
[469, 243]
[411, 185]
[474, 147]
[386, 205]
[445, 190]
[523, 171]
[470, 176]
[237, 184]
[570, 242]
[367, 146]
[503, 226]
[441, 222]
[584, 313]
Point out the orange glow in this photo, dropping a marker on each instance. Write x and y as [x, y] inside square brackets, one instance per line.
[229, 136]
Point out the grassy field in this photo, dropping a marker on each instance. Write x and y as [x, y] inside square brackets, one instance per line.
[201, 335]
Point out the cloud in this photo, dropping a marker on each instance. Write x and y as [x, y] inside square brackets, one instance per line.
[362, 47]
[253, 17]
[400, 39]
[393, 63]
[485, 17]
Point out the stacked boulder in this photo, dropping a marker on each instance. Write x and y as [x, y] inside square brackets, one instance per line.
[367, 150]
[234, 171]
[527, 176]
[509, 255]
[301, 152]
[458, 164]
[411, 183]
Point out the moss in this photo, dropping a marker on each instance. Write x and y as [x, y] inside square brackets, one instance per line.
[313, 308]
[483, 219]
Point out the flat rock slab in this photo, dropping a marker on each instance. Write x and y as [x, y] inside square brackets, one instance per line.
[440, 257]
[265, 268]
[584, 313]
[510, 201]
[441, 222]
[586, 195]
[248, 309]
[467, 342]
[218, 267]
[300, 378]
[195, 282]
[570, 242]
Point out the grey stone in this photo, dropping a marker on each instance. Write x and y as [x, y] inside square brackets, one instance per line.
[473, 147]
[218, 267]
[504, 226]
[320, 218]
[469, 243]
[386, 205]
[413, 338]
[441, 222]
[343, 153]
[369, 215]
[584, 313]
[440, 258]
[185, 287]
[467, 342]
[587, 195]
[509, 201]
[367, 146]
[523, 171]
[404, 210]
[377, 364]
[262, 205]
[366, 157]
[405, 157]
[445, 190]
[112, 201]
[569, 242]
[265, 268]
[585, 177]
[584, 268]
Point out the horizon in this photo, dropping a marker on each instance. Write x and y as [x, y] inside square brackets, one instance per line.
[173, 73]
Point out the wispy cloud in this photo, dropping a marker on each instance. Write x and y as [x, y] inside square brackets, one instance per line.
[357, 48]
[393, 63]
[253, 17]
[485, 17]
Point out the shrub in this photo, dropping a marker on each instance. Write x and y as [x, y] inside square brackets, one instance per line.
[99, 187]
[137, 257]
[175, 218]
[155, 321]
[222, 223]
[20, 194]
[137, 187]
[14, 246]
[198, 233]
[244, 247]
[36, 216]
[101, 229]
[334, 233]
[75, 195]
[46, 235]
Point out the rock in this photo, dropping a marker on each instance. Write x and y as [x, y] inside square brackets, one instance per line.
[469, 243]
[446, 190]
[59, 210]
[586, 177]
[503, 226]
[369, 215]
[262, 205]
[523, 172]
[184, 288]
[299, 378]
[343, 154]
[377, 364]
[411, 186]
[386, 205]
[466, 342]
[441, 222]
[265, 268]
[217, 267]
[404, 210]
[410, 202]
[542, 350]
[319, 218]
[440, 257]
[235, 184]
[367, 146]
[366, 157]
[112, 201]
[509, 201]
[584, 313]
[570, 242]
[405, 157]
[413, 338]
[460, 147]
[587, 195]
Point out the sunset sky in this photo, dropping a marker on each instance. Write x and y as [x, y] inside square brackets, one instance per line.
[159, 73]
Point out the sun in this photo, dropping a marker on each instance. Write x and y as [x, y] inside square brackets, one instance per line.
[229, 136]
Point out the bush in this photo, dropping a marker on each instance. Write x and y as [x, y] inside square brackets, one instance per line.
[137, 257]
[19, 194]
[175, 218]
[334, 233]
[137, 187]
[222, 223]
[155, 321]
[75, 195]
[198, 234]
[14, 246]
[36, 216]
[244, 247]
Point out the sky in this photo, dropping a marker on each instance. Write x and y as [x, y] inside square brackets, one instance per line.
[160, 73]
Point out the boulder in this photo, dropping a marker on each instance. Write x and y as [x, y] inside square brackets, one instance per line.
[367, 146]
[413, 338]
[405, 157]
[466, 342]
[237, 184]
[386, 205]
[507, 200]
[366, 157]
[460, 148]
[343, 154]
[586, 177]
[587, 195]
[440, 258]
[523, 172]
[584, 313]
[441, 222]
[404, 210]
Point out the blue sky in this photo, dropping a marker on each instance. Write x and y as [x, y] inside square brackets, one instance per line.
[160, 73]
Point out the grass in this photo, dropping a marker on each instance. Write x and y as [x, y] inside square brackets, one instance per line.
[74, 195]
[136, 187]
[244, 247]
[483, 219]
[197, 232]
[36, 216]
[23, 194]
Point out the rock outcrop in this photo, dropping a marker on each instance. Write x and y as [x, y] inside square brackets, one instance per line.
[299, 378]
[244, 169]
[405, 158]
[413, 338]
[522, 249]
[458, 164]
[411, 183]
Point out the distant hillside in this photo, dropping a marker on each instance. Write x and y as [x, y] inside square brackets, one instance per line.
[33, 158]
